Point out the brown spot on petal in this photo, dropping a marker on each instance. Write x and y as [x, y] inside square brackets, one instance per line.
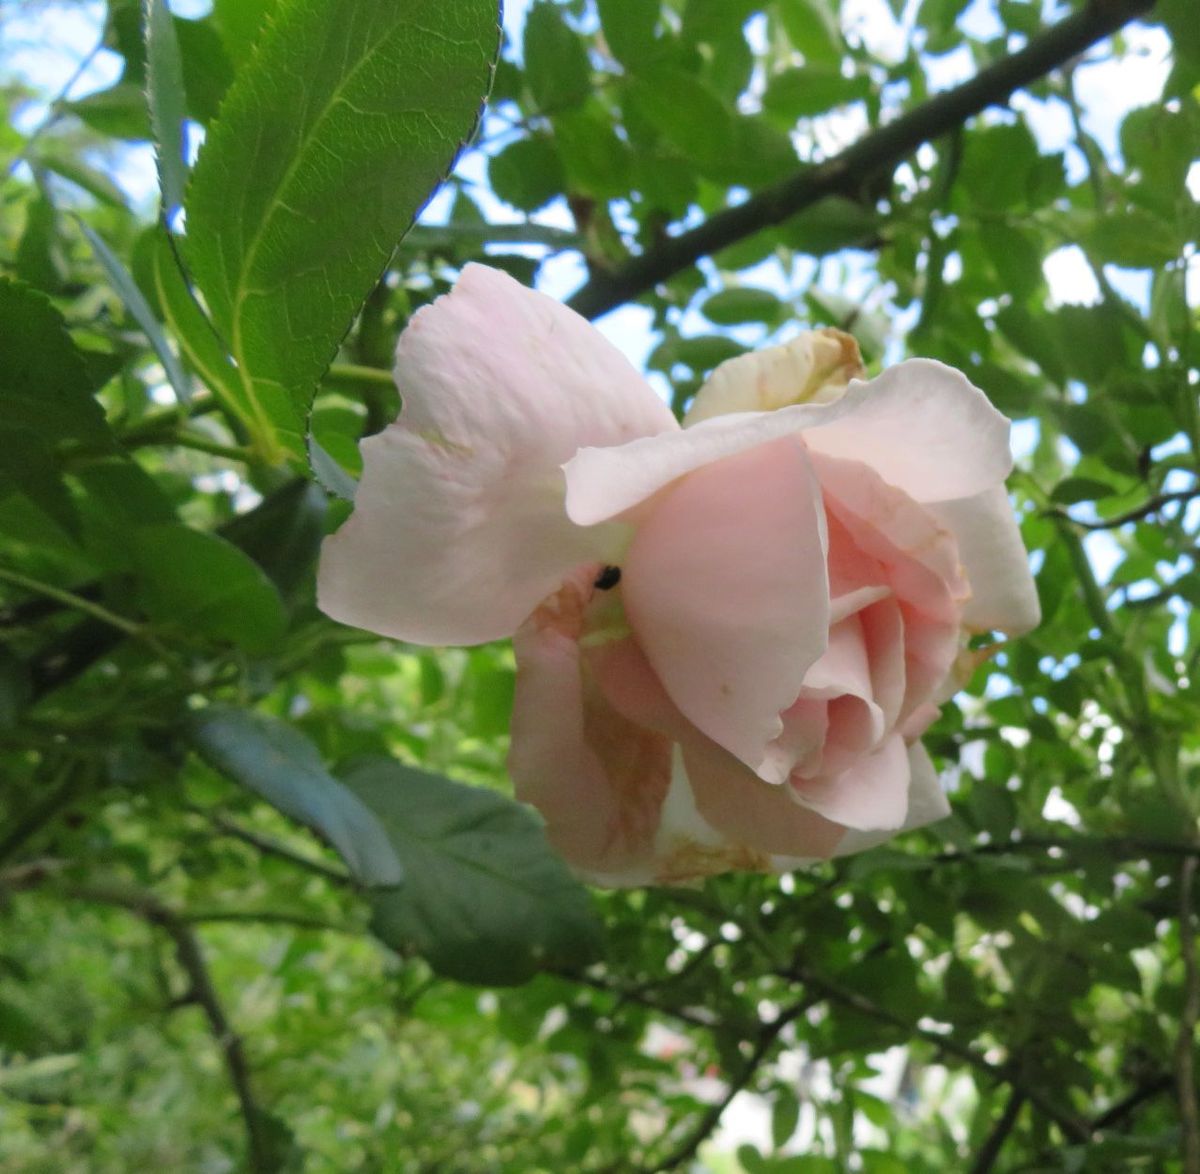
[687, 860]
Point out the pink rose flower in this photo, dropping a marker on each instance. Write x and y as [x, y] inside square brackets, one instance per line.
[729, 636]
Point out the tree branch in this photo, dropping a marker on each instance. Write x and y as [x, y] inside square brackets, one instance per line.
[272, 847]
[846, 173]
[1119, 1110]
[987, 1156]
[204, 994]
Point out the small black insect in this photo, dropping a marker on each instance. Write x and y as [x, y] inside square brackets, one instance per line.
[607, 579]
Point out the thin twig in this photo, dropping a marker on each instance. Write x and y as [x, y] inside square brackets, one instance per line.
[1185, 1047]
[699, 1134]
[846, 173]
[204, 994]
[76, 602]
[272, 847]
[1134, 515]
[990, 1151]
[1119, 1110]
[55, 107]
[639, 996]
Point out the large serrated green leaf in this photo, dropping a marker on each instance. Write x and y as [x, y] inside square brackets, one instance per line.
[328, 143]
[485, 899]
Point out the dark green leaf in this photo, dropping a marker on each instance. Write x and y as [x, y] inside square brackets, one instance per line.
[527, 173]
[629, 30]
[200, 584]
[44, 382]
[27, 466]
[812, 26]
[485, 900]
[807, 90]
[1073, 489]
[119, 112]
[39, 257]
[556, 62]
[277, 762]
[730, 307]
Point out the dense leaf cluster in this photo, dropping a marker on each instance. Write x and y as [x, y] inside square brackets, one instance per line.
[252, 863]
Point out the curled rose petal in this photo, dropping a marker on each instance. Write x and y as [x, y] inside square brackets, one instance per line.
[920, 425]
[1003, 595]
[458, 530]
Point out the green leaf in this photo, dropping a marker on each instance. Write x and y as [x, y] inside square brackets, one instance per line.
[94, 182]
[485, 900]
[277, 762]
[812, 26]
[196, 335]
[332, 137]
[1074, 489]
[527, 173]
[731, 307]
[688, 115]
[829, 226]
[1135, 239]
[998, 164]
[556, 64]
[808, 90]
[240, 23]
[27, 466]
[283, 533]
[44, 381]
[207, 70]
[39, 257]
[166, 97]
[785, 1117]
[201, 584]
[329, 474]
[629, 30]
[119, 112]
[134, 301]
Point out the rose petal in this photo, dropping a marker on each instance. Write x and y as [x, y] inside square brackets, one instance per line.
[598, 779]
[879, 532]
[924, 428]
[725, 588]
[1003, 596]
[459, 529]
[813, 367]
[921, 425]
[870, 794]
[763, 818]
[927, 803]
